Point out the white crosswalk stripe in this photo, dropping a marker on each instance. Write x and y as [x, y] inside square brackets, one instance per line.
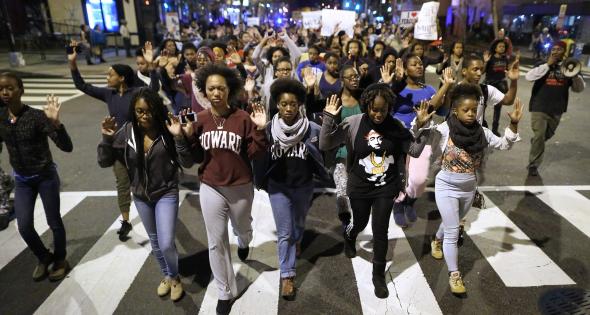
[102, 278]
[37, 89]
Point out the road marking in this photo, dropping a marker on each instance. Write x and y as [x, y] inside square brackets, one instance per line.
[409, 292]
[571, 205]
[262, 295]
[98, 283]
[10, 240]
[516, 259]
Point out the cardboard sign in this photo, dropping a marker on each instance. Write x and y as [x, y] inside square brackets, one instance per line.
[425, 28]
[343, 18]
[311, 19]
[408, 18]
[253, 21]
[561, 16]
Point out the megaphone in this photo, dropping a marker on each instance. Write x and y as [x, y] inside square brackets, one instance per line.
[571, 67]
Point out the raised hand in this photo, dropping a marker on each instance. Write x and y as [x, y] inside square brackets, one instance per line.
[486, 56]
[422, 115]
[234, 57]
[174, 126]
[399, 69]
[249, 85]
[258, 116]
[386, 74]
[332, 106]
[513, 71]
[108, 127]
[162, 60]
[447, 76]
[51, 109]
[148, 52]
[74, 54]
[516, 114]
[364, 70]
[309, 77]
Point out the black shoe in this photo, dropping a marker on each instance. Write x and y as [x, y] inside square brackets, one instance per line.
[379, 283]
[349, 246]
[223, 307]
[495, 132]
[126, 227]
[243, 253]
[461, 235]
[533, 171]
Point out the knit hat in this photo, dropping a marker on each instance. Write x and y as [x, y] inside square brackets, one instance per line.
[207, 52]
[126, 72]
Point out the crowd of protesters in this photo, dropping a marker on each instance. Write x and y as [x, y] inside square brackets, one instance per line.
[279, 109]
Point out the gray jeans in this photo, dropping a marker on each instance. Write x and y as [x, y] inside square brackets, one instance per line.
[544, 126]
[218, 205]
[454, 194]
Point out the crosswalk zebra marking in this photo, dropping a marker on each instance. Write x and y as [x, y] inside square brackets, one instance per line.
[91, 287]
[262, 294]
[10, 240]
[409, 292]
[571, 205]
[517, 260]
[37, 89]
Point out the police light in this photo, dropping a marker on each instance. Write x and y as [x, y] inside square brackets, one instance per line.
[357, 7]
[347, 4]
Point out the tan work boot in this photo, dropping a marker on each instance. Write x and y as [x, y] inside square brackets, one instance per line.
[41, 270]
[436, 249]
[164, 287]
[176, 290]
[456, 283]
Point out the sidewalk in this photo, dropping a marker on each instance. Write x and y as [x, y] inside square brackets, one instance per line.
[56, 64]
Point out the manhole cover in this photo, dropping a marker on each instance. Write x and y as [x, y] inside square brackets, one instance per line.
[565, 301]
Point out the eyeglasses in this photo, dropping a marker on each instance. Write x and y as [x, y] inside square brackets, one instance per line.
[284, 69]
[141, 112]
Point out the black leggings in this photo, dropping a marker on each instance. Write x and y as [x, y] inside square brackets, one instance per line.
[361, 209]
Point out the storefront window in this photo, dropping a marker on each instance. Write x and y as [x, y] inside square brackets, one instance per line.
[103, 13]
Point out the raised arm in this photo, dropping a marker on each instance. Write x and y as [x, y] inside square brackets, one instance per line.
[88, 89]
[332, 134]
[511, 134]
[513, 75]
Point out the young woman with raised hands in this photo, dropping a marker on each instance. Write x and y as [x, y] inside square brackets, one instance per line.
[376, 146]
[145, 147]
[459, 143]
[224, 140]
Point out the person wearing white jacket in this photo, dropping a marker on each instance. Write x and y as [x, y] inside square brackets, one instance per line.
[459, 143]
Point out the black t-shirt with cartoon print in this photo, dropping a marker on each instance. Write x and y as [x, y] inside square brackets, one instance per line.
[375, 172]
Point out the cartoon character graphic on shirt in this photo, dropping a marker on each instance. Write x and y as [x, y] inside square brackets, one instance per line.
[376, 166]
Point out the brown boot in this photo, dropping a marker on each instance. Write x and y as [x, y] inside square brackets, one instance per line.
[288, 288]
[59, 270]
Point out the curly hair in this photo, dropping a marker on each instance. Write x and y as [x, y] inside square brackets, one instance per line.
[388, 52]
[159, 114]
[272, 50]
[15, 77]
[232, 79]
[374, 90]
[221, 45]
[329, 55]
[407, 57]
[496, 43]
[358, 42]
[287, 85]
[464, 91]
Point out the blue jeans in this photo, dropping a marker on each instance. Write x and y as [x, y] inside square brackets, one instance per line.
[289, 208]
[159, 219]
[26, 190]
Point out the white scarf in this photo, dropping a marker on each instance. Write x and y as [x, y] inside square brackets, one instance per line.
[287, 136]
[147, 80]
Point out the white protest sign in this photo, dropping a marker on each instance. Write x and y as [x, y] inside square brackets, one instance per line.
[408, 18]
[425, 28]
[173, 24]
[343, 18]
[253, 21]
[311, 19]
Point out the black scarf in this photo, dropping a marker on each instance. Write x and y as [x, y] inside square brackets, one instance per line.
[469, 138]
